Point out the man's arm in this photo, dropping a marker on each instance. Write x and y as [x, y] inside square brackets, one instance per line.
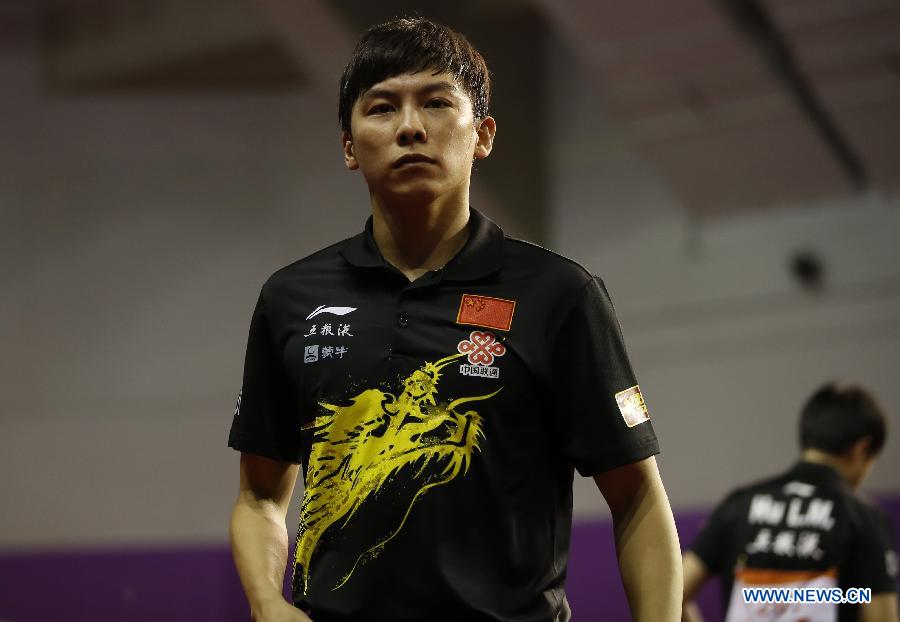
[695, 575]
[259, 540]
[646, 540]
[883, 608]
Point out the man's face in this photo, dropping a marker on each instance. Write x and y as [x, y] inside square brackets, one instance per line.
[859, 462]
[414, 136]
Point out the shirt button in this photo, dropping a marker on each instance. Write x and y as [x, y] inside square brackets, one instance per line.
[402, 320]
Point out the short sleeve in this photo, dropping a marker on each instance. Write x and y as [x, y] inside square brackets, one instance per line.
[715, 543]
[265, 419]
[590, 368]
[873, 561]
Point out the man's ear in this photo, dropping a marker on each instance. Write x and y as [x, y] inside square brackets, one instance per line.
[861, 449]
[349, 157]
[485, 130]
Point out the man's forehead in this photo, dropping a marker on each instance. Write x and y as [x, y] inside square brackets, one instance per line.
[415, 81]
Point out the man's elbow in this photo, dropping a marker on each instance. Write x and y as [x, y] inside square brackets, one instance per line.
[632, 486]
[249, 504]
[694, 574]
[883, 608]
[690, 612]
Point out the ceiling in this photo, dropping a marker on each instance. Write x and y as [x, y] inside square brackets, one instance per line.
[738, 103]
[707, 98]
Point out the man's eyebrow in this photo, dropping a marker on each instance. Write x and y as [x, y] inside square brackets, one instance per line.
[428, 88]
[441, 86]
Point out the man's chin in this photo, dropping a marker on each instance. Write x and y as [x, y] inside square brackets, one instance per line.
[413, 192]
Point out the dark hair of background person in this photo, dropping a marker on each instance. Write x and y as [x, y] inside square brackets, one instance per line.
[839, 415]
[411, 45]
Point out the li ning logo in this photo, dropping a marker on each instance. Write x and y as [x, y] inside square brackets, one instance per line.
[481, 349]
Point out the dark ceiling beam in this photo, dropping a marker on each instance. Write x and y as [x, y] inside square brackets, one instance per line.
[752, 19]
[313, 35]
[168, 45]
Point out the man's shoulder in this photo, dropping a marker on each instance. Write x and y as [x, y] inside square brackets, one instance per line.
[313, 265]
[789, 483]
[768, 484]
[866, 514]
[741, 495]
[544, 264]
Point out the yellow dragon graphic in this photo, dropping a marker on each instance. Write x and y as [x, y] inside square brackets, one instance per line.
[360, 447]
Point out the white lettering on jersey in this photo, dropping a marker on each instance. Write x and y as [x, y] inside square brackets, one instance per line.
[818, 514]
[766, 510]
[799, 489]
[334, 310]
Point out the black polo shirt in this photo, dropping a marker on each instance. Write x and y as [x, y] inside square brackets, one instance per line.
[438, 422]
[801, 528]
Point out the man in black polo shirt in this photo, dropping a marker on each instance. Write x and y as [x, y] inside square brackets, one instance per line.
[805, 528]
[439, 382]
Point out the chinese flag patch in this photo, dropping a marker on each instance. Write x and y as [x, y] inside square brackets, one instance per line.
[485, 311]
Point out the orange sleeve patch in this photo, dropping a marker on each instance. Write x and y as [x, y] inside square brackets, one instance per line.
[632, 406]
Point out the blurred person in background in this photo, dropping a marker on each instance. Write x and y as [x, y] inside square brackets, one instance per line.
[805, 528]
[439, 382]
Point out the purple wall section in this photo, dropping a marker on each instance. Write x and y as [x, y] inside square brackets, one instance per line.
[594, 587]
[200, 584]
[196, 584]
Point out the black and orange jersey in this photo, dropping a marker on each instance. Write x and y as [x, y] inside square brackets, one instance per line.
[439, 423]
[802, 529]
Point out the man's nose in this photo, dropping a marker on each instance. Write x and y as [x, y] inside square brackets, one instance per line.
[411, 129]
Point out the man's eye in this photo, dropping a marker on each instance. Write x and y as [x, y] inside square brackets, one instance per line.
[380, 109]
[438, 103]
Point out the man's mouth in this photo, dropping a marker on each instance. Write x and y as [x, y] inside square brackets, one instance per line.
[412, 158]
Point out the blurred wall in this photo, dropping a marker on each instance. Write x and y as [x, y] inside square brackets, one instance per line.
[726, 345]
[137, 231]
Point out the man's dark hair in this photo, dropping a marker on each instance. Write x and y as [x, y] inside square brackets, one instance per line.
[839, 415]
[410, 45]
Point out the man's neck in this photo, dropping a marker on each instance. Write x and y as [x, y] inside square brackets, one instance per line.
[419, 237]
[837, 463]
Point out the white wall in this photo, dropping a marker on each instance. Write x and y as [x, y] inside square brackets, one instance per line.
[136, 232]
[725, 344]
